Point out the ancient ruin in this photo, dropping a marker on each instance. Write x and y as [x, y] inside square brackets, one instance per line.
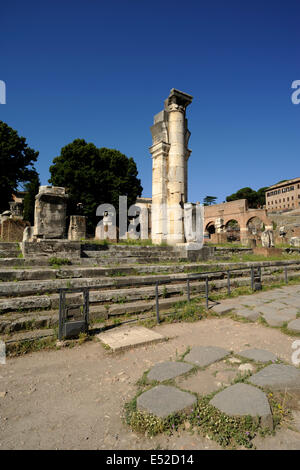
[77, 228]
[170, 156]
[50, 213]
[219, 217]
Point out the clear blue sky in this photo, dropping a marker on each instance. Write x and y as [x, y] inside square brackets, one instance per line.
[100, 70]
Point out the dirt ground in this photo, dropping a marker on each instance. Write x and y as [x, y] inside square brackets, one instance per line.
[73, 398]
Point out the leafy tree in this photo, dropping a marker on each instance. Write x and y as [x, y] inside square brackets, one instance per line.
[209, 200]
[16, 163]
[255, 198]
[94, 176]
[32, 189]
[261, 196]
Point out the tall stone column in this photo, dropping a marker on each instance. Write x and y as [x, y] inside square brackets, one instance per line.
[170, 154]
[159, 191]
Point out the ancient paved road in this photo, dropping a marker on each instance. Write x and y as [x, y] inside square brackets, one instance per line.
[72, 398]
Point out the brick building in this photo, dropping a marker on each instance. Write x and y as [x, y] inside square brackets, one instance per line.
[283, 196]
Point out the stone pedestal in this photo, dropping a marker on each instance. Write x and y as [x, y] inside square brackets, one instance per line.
[50, 213]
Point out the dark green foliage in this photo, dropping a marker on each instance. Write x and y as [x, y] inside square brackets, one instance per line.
[94, 176]
[32, 189]
[255, 199]
[209, 200]
[16, 163]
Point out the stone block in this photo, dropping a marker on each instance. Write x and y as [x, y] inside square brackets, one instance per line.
[203, 356]
[163, 401]
[168, 370]
[244, 400]
[50, 213]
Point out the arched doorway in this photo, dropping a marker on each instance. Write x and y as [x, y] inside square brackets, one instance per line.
[233, 231]
[255, 226]
[210, 229]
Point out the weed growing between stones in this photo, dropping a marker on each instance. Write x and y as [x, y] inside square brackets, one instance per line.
[205, 419]
[57, 262]
[28, 346]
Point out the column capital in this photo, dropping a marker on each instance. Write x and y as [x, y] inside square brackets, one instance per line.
[178, 101]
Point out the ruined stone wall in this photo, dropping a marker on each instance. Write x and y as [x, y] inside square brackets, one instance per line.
[11, 230]
[235, 210]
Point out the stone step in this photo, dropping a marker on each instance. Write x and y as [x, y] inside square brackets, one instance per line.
[125, 247]
[13, 322]
[127, 254]
[13, 254]
[9, 245]
[25, 288]
[75, 280]
[72, 272]
[130, 294]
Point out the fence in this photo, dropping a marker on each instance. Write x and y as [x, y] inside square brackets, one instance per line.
[66, 328]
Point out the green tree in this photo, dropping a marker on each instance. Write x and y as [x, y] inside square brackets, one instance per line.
[261, 196]
[16, 163]
[94, 176]
[255, 198]
[32, 189]
[209, 200]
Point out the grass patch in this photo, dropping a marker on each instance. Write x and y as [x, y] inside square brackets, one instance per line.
[57, 262]
[28, 346]
[205, 419]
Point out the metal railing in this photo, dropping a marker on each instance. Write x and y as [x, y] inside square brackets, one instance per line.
[255, 284]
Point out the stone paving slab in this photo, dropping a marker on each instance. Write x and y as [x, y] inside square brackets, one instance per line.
[129, 337]
[294, 325]
[258, 355]
[267, 308]
[251, 315]
[278, 377]
[164, 400]
[278, 317]
[224, 308]
[168, 370]
[242, 400]
[203, 356]
[209, 380]
[293, 305]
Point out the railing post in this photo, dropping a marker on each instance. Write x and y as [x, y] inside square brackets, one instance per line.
[61, 313]
[188, 290]
[157, 302]
[228, 282]
[286, 275]
[206, 291]
[252, 278]
[86, 294]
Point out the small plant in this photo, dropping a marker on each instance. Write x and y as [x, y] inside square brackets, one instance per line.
[165, 292]
[57, 262]
[83, 337]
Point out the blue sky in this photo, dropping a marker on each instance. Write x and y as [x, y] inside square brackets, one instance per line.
[100, 71]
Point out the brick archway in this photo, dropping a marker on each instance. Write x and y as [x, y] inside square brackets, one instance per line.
[236, 210]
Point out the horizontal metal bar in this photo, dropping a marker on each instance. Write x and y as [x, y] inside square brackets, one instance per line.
[191, 277]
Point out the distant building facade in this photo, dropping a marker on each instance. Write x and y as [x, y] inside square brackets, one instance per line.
[283, 196]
